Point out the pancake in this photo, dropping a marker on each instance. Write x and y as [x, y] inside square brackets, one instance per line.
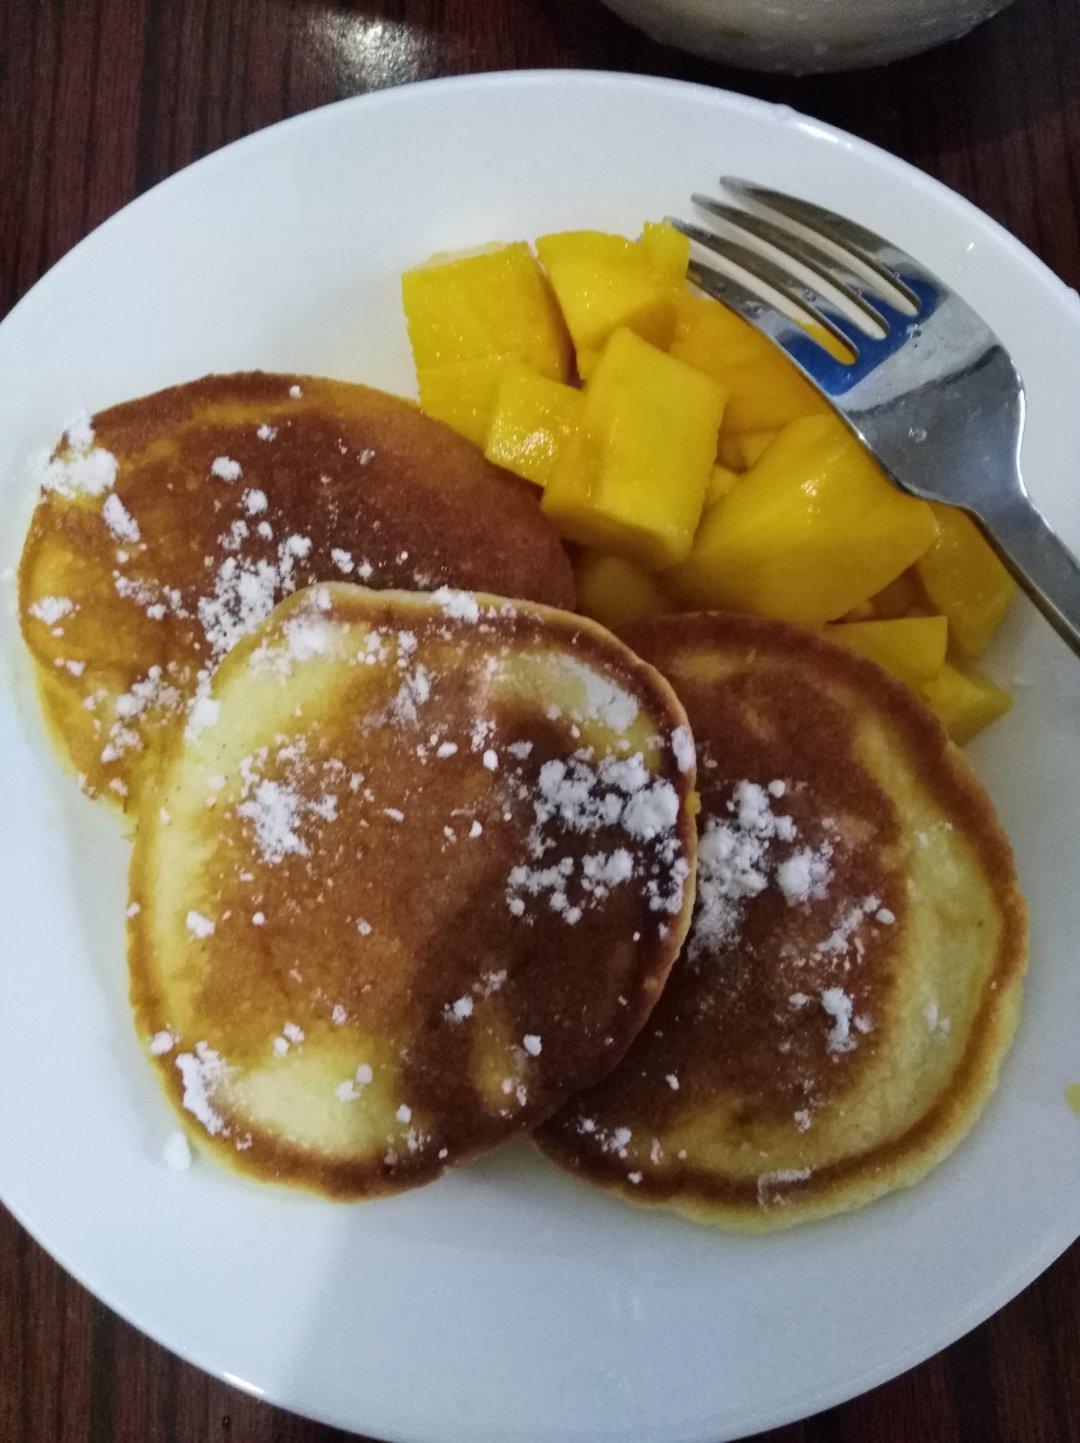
[852, 977]
[420, 876]
[170, 525]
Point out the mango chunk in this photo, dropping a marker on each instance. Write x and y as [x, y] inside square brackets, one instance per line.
[729, 454]
[604, 282]
[765, 390]
[667, 248]
[912, 648]
[964, 579]
[902, 597]
[720, 482]
[811, 531]
[632, 478]
[964, 700]
[491, 302]
[613, 591]
[462, 393]
[531, 420]
[750, 446]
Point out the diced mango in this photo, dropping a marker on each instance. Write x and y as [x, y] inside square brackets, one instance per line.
[604, 282]
[765, 390]
[667, 248]
[964, 700]
[902, 597]
[462, 393]
[613, 591]
[721, 480]
[530, 423]
[492, 302]
[729, 454]
[964, 578]
[632, 478]
[811, 531]
[752, 445]
[912, 648]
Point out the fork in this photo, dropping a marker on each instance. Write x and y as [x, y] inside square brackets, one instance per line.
[925, 383]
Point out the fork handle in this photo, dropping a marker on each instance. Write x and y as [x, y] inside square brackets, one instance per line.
[1041, 562]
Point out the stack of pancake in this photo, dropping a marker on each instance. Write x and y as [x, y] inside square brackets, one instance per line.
[415, 847]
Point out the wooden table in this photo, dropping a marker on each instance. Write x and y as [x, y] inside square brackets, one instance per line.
[101, 98]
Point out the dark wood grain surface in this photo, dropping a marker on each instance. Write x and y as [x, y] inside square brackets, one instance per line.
[101, 98]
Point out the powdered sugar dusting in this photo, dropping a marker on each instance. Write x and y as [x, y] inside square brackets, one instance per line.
[51, 609]
[119, 519]
[771, 1185]
[461, 605]
[682, 746]
[81, 468]
[276, 811]
[202, 1073]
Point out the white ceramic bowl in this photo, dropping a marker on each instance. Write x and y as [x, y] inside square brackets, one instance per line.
[805, 35]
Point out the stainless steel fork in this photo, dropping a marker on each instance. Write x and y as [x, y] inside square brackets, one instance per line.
[932, 392]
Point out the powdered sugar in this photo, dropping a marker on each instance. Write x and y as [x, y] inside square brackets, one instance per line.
[202, 1073]
[736, 862]
[682, 746]
[806, 874]
[225, 468]
[579, 798]
[119, 519]
[276, 812]
[769, 1184]
[199, 925]
[461, 605]
[839, 1006]
[51, 609]
[604, 701]
[81, 468]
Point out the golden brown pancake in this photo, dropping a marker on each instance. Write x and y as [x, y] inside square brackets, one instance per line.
[172, 524]
[419, 876]
[852, 977]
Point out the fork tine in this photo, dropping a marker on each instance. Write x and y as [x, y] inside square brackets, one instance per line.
[741, 299]
[840, 277]
[891, 263]
[808, 354]
[771, 274]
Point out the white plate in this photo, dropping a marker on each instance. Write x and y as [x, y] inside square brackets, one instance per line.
[504, 1302]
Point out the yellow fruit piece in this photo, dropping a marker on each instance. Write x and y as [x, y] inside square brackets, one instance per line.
[964, 700]
[752, 445]
[604, 282]
[667, 248]
[964, 579]
[813, 530]
[613, 591]
[632, 478]
[492, 302]
[912, 648]
[765, 390]
[902, 597]
[531, 420]
[720, 482]
[729, 454]
[462, 393]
